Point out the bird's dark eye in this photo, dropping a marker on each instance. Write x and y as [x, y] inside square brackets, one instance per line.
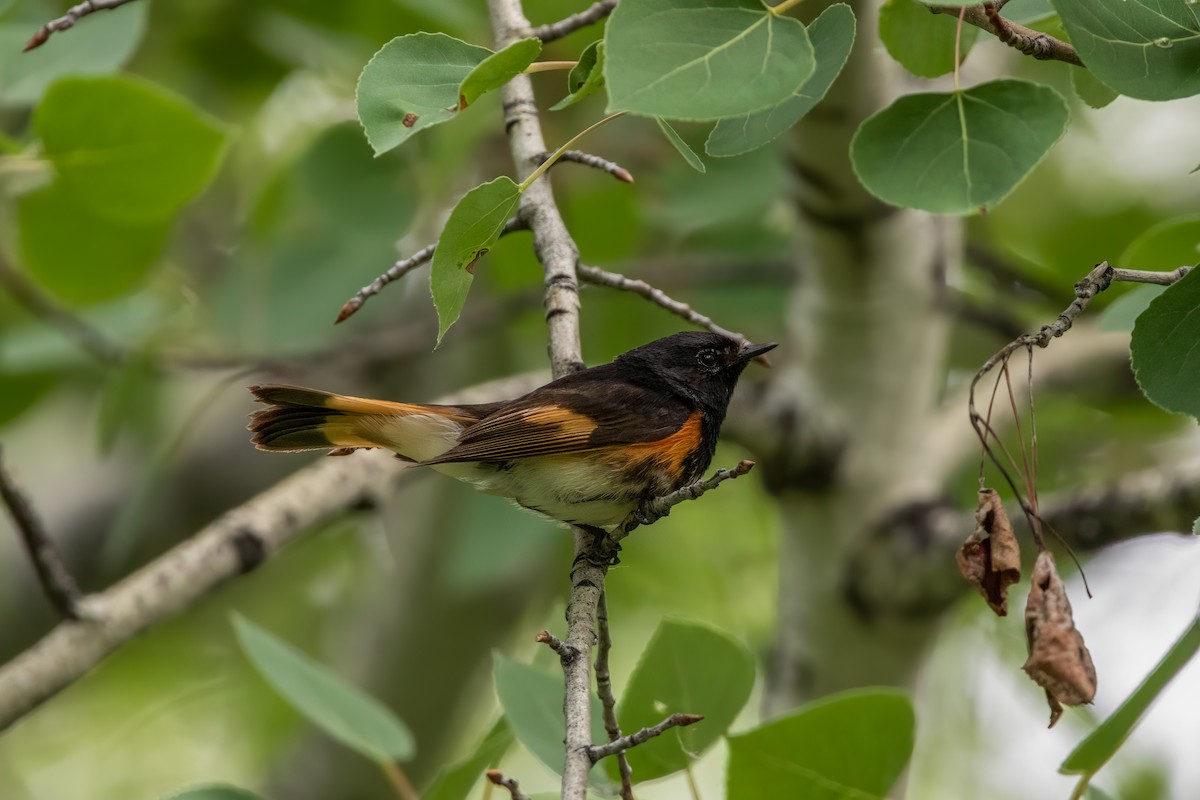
[708, 358]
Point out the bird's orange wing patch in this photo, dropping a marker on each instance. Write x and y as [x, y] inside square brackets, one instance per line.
[522, 433]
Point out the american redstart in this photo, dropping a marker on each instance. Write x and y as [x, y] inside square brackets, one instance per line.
[586, 449]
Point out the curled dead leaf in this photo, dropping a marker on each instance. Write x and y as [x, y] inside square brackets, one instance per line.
[990, 557]
[1058, 660]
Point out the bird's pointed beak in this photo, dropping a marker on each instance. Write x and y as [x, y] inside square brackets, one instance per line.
[756, 352]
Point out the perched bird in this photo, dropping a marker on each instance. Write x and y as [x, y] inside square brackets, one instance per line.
[586, 449]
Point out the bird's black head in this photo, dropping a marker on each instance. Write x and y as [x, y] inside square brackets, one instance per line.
[699, 366]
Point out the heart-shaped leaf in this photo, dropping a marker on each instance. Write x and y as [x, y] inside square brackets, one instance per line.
[1166, 361]
[1147, 49]
[960, 151]
[412, 83]
[832, 35]
[702, 60]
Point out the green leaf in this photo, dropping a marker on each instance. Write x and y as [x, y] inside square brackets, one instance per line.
[848, 746]
[216, 791]
[832, 35]
[97, 45]
[1090, 90]
[470, 232]
[1028, 12]
[586, 77]
[703, 59]
[497, 70]
[1166, 361]
[128, 151]
[691, 669]
[1196, 527]
[1146, 49]
[411, 84]
[689, 155]
[923, 42]
[97, 261]
[533, 705]
[342, 710]
[1122, 314]
[960, 151]
[455, 782]
[1094, 751]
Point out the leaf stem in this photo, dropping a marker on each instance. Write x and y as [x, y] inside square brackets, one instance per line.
[549, 162]
[783, 7]
[399, 781]
[957, 42]
[548, 66]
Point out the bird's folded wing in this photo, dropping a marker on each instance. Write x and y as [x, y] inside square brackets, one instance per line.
[568, 421]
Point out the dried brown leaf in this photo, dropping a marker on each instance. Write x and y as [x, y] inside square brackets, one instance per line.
[1058, 660]
[990, 557]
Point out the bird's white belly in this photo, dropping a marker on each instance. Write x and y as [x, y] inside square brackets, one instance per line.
[570, 490]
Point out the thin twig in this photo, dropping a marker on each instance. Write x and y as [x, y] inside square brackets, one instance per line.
[608, 701]
[657, 296]
[589, 16]
[1100, 278]
[52, 573]
[514, 788]
[402, 268]
[599, 751]
[1041, 46]
[653, 510]
[589, 160]
[566, 653]
[69, 19]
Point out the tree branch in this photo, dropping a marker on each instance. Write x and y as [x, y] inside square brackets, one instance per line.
[69, 19]
[1041, 46]
[600, 751]
[589, 16]
[589, 160]
[232, 545]
[514, 788]
[52, 573]
[402, 268]
[653, 510]
[559, 257]
[657, 296]
[608, 701]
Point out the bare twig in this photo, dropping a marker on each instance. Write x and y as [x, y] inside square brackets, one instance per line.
[1096, 281]
[589, 16]
[514, 788]
[566, 652]
[597, 752]
[52, 573]
[657, 296]
[587, 159]
[70, 18]
[652, 511]
[1028, 41]
[402, 268]
[608, 701]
